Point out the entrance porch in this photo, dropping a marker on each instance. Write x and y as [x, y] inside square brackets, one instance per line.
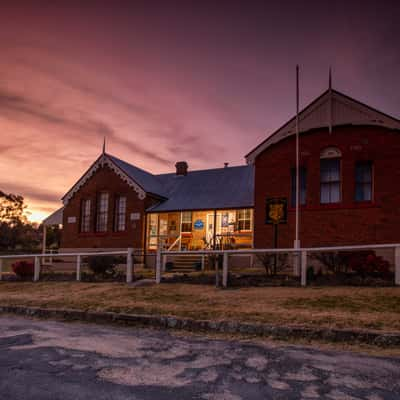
[200, 230]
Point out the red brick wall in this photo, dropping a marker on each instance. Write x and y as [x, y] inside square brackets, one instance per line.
[105, 179]
[348, 222]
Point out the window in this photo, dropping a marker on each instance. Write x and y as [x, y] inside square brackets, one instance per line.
[186, 221]
[363, 181]
[244, 220]
[85, 215]
[120, 214]
[330, 180]
[102, 212]
[303, 186]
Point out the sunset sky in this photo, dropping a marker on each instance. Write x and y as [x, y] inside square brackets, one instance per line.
[201, 81]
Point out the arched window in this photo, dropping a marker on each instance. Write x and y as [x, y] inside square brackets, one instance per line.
[330, 175]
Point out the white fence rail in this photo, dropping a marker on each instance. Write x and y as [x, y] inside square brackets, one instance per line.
[129, 253]
[300, 267]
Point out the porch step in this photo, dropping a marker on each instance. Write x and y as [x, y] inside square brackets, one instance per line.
[185, 263]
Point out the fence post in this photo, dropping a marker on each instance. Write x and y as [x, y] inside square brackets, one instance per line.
[164, 262]
[303, 268]
[225, 270]
[78, 267]
[129, 265]
[1, 269]
[36, 273]
[397, 265]
[158, 265]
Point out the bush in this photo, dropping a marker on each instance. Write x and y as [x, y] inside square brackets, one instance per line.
[102, 265]
[273, 263]
[367, 263]
[169, 266]
[310, 274]
[23, 269]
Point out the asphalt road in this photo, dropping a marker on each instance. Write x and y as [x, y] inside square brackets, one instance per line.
[54, 360]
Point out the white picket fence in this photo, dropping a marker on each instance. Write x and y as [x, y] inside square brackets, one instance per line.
[300, 267]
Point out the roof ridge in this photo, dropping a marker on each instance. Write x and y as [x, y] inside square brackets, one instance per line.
[206, 169]
[132, 165]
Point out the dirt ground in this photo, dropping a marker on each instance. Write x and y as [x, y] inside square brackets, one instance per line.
[339, 307]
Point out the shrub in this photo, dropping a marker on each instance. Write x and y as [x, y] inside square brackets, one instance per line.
[367, 263]
[23, 269]
[310, 274]
[273, 263]
[336, 262]
[102, 265]
[169, 266]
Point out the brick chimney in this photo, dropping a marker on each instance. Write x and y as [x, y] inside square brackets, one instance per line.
[181, 168]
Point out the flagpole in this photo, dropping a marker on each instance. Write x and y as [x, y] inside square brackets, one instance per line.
[297, 239]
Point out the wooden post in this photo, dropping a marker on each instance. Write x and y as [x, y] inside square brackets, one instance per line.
[129, 265]
[203, 262]
[397, 265]
[78, 267]
[303, 268]
[164, 263]
[225, 270]
[36, 273]
[158, 265]
[215, 231]
[1, 269]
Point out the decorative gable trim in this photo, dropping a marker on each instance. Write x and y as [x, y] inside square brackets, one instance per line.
[332, 108]
[102, 161]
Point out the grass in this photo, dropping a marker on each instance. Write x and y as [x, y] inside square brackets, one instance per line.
[339, 307]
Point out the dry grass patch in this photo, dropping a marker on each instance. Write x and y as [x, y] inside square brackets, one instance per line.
[340, 307]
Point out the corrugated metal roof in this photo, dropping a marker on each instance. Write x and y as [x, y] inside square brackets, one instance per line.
[149, 182]
[56, 218]
[231, 187]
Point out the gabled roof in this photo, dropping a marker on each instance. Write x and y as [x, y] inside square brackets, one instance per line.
[149, 182]
[128, 176]
[206, 189]
[330, 108]
[220, 188]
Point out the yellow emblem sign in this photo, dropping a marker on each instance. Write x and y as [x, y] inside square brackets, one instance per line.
[276, 212]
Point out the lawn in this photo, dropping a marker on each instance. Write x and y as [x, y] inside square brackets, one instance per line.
[340, 307]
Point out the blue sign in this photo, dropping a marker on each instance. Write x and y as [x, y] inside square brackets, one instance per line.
[198, 224]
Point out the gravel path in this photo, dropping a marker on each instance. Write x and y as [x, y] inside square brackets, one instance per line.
[56, 360]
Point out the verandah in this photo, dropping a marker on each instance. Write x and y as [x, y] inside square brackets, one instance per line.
[200, 229]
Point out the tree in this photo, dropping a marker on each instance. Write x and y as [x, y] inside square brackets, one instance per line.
[12, 209]
[16, 232]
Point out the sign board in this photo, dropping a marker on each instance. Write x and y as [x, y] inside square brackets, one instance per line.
[71, 220]
[276, 210]
[198, 224]
[135, 216]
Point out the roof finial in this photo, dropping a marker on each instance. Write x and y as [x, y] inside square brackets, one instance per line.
[330, 78]
[104, 145]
